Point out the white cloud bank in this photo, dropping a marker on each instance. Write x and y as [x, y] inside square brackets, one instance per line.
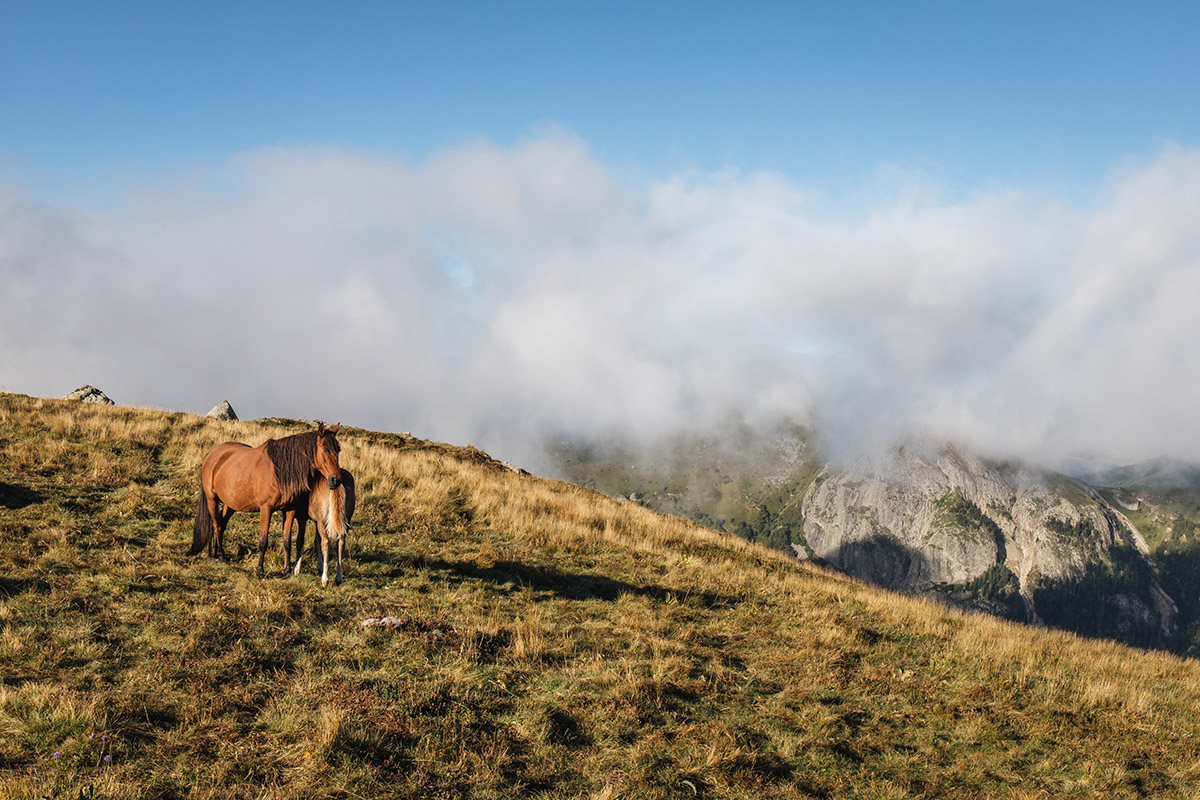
[491, 295]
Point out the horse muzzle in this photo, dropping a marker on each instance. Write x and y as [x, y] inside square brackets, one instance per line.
[334, 482]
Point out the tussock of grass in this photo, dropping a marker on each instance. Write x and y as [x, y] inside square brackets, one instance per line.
[547, 642]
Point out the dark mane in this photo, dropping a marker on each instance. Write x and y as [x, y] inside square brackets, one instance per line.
[292, 456]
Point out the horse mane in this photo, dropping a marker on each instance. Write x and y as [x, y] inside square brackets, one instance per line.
[348, 487]
[293, 456]
[334, 503]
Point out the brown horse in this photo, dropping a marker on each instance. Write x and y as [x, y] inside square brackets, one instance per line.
[332, 510]
[276, 475]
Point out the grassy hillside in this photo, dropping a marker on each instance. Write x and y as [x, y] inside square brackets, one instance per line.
[547, 642]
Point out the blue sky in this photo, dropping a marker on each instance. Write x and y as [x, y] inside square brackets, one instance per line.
[496, 222]
[978, 94]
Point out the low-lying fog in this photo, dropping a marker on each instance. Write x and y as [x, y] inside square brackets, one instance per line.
[499, 295]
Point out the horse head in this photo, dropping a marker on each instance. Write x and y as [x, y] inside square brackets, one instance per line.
[326, 459]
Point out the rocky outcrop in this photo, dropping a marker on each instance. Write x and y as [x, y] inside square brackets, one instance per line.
[89, 394]
[1025, 543]
[222, 410]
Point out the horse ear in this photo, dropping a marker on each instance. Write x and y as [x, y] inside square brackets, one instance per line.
[336, 428]
[320, 429]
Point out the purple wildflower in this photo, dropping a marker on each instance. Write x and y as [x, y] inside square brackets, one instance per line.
[107, 757]
[57, 754]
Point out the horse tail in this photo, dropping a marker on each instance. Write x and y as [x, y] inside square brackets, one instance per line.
[204, 527]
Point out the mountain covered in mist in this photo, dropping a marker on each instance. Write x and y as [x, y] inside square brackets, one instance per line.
[1006, 538]
[1154, 473]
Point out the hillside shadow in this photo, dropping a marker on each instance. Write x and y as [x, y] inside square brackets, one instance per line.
[15, 496]
[881, 560]
[1109, 601]
[11, 587]
[1179, 569]
[563, 584]
[890, 564]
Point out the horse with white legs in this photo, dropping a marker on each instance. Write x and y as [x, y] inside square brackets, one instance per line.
[277, 475]
[332, 509]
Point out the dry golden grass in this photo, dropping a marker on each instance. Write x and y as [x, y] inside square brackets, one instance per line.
[550, 642]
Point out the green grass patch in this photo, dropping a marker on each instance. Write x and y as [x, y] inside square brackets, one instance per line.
[954, 510]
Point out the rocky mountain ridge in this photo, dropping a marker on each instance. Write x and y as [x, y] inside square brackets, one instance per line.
[1005, 538]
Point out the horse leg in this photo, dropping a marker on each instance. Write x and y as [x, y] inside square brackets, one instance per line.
[264, 517]
[226, 515]
[211, 500]
[338, 580]
[324, 553]
[301, 522]
[288, 518]
[214, 544]
[317, 546]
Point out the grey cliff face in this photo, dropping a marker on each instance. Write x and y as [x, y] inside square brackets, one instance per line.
[983, 534]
